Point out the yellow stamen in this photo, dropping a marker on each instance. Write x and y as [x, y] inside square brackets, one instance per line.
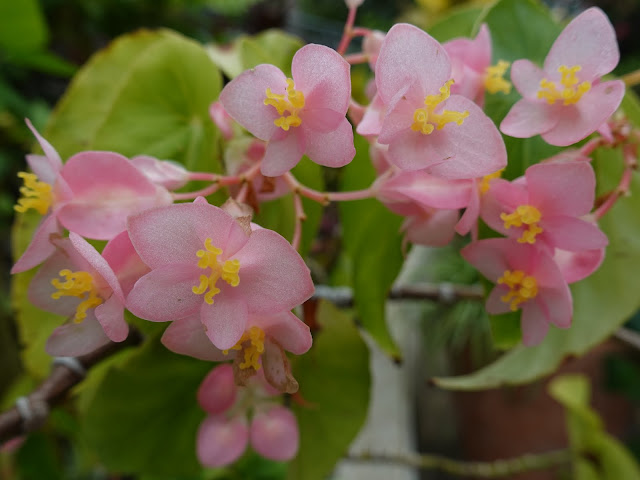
[524, 215]
[485, 184]
[253, 340]
[572, 91]
[425, 119]
[228, 271]
[493, 81]
[77, 284]
[291, 103]
[35, 194]
[521, 288]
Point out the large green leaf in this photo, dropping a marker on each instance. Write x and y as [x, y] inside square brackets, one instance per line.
[22, 27]
[459, 22]
[144, 415]
[373, 243]
[147, 92]
[334, 384]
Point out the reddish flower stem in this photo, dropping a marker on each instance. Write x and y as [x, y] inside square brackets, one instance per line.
[326, 197]
[198, 193]
[356, 58]
[631, 164]
[300, 217]
[347, 34]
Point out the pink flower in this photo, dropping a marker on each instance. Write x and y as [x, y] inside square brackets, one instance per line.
[566, 101]
[221, 118]
[526, 278]
[225, 434]
[165, 173]
[203, 262]
[91, 195]
[471, 67]
[300, 116]
[78, 282]
[424, 125]
[544, 207]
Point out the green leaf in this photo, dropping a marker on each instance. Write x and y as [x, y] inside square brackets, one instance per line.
[373, 242]
[22, 26]
[459, 22]
[144, 415]
[271, 46]
[148, 92]
[334, 383]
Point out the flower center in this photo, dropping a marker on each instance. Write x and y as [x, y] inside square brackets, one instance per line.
[77, 284]
[252, 343]
[524, 215]
[35, 194]
[228, 271]
[493, 81]
[521, 288]
[485, 182]
[290, 103]
[425, 119]
[571, 90]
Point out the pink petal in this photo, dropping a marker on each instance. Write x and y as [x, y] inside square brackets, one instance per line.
[55, 162]
[576, 266]
[186, 336]
[274, 434]
[435, 229]
[324, 78]
[585, 117]
[277, 369]
[273, 276]
[283, 152]
[243, 99]
[526, 76]
[76, 339]
[110, 314]
[322, 120]
[217, 392]
[222, 119]
[488, 256]
[371, 123]
[399, 65]
[221, 441]
[562, 188]
[557, 305]
[428, 190]
[41, 289]
[399, 118]
[40, 165]
[40, 247]
[165, 294]
[161, 172]
[173, 234]
[475, 53]
[494, 304]
[286, 329]
[124, 261]
[534, 324]
[469, 219]
[529, 118]
[589, 41]
[225, 321]
[570, 233]
[334, 149]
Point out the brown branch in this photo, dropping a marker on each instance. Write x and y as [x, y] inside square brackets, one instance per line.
[55, 388]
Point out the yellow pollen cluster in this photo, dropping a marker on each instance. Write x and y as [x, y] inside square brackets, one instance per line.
[228, 271]
[493, 78]
[77, 284]
[524, 215]
[252, 352]
[521, 288]
[290, 103]
[572, 91]
[35, 194]
[485, 184]
[425, 120]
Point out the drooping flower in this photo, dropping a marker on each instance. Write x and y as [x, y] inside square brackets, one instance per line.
[271, 429]
[304, 115]
[92, 194]
[566, 100]
[527, 279]
[78, 282]
[471, 67]
[425, 125]
[203, 262]
[544, 207]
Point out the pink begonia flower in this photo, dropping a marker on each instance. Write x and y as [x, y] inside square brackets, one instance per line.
[471, 67]
[300, 116]
[222, 120]
[544, 207]
[76, 281]
[165, 173]
[576, 266]
[240, 155]
[225, 434]
[92, 194]
[526, 278]
[204, 262]
[424, 125]
[566, 101]
[124, 261]
[265, 338]
[371, 46]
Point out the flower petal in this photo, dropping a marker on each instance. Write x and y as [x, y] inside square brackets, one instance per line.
[334, 149]
[55, 162]
[221, 441]
[274, 434]
[217, 392]
[283, 152]
[40, 247]
[574, 234]
[110, 314]
[529, 118]
[76, 339]
[576, 266]
[186, 336]
[533, 323]
[225, 321]
[286, 329]
[526, 76]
